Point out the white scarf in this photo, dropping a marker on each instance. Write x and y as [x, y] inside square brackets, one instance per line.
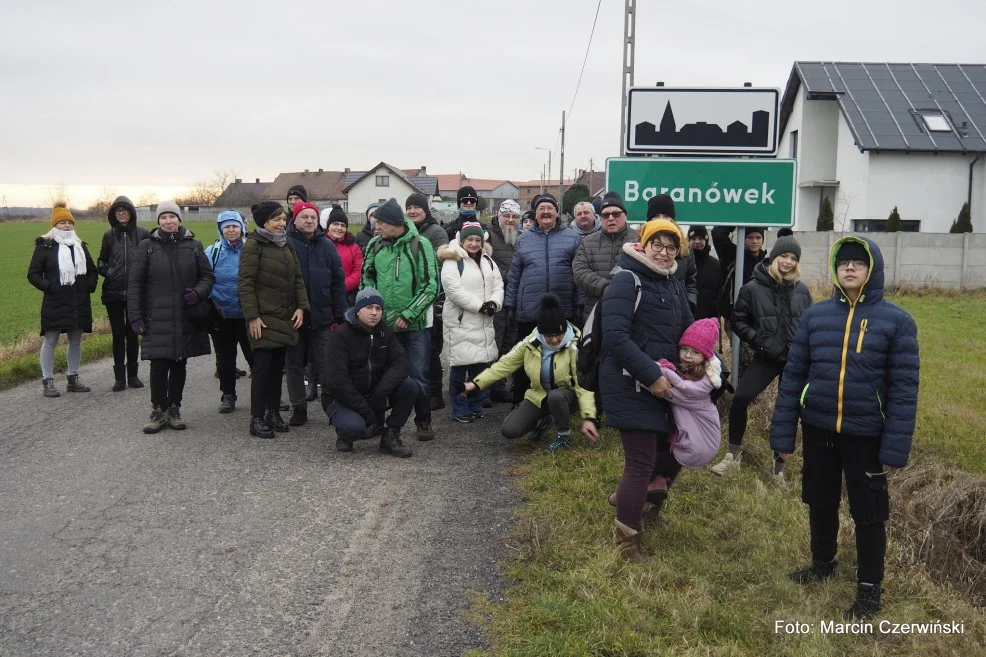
[67, 271]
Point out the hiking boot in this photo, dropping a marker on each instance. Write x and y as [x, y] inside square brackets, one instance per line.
[541, 429]
[437, 403]
[391, 443]
[731, 462]
[311, 390]
[284, 406]
[423, 430]
[157, 422]
[120, 375]
[816, 572]
[657, 490]
[561, 441]
[174, 418]
[343, 445]
[464, 419]
[48, 386]
[477, 415]
[74, 385]
[134, 382]
[275, 421]
[260, 428]
[867, 602]
[299, 416]
[228, 403]
[120, 385]
[628, 541]
[372, 431]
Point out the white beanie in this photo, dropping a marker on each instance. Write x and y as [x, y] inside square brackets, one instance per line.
[509, 205]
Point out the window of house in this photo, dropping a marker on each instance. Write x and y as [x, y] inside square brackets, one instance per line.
[383, 181]
[879, 225]
[794, 145]
[935, 121]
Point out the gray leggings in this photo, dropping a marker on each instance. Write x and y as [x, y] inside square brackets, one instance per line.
[559, 404]
[48, 353]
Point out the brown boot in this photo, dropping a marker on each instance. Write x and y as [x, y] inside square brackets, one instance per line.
[391, 443]
[629, 542]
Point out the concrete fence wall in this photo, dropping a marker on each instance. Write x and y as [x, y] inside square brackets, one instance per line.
[146, 216]
[919, 259]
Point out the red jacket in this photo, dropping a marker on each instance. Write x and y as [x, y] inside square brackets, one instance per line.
[352, 261]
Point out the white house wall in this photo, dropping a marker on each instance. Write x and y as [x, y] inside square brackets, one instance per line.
[852, 172]
[366, 191]
[817, 124]
[925, 187]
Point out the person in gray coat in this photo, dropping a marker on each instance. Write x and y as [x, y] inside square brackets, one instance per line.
[600, 251]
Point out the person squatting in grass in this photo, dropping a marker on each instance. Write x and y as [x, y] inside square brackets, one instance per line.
[371, 377]
[473, 294]
[115, 261]
[168, 304]
[274, 301]
[765, 317]
[693, 381]
[548, 356]
[852, 378]
[63, 270]
[634, 390]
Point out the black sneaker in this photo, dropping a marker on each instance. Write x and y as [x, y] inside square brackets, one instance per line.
[477, 415]
[464, 419]
[867, 603]
[228, 403]
[816, 572]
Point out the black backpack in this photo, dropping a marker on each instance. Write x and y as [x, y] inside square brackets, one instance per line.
[590, 345]
[724, 300]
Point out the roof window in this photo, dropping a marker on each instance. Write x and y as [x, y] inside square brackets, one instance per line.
[935, 121]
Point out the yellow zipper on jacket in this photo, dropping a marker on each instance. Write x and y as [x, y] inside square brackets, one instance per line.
[842, 368]
[862, 334]
[852, 311]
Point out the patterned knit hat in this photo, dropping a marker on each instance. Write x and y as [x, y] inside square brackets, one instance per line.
[702, 336]
[366, 297]
[61, 213]
[471, 228]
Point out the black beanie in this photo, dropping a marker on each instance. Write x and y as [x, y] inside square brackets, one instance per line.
[298, 190]
[544, 198]
[338, 215]
[597, 204]
[464, 192]
[551, 319]
[783, 232]
[264, 210]
[660, 204]
[390, 213]
[700, 232]
[611, 200]
[852, 250]
[755, 229]
[419, 200]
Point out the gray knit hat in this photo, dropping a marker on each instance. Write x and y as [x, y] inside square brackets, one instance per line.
[167, 206]
[366, 297]
[785, 244]
[390, 213]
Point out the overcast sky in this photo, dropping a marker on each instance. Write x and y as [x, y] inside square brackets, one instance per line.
[129, 95]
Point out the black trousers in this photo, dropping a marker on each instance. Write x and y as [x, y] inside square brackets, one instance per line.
[435, 373]
[126, 344]
[755, 380]
[167, 382]
[827, 457]
[231, 333]
[265, 385]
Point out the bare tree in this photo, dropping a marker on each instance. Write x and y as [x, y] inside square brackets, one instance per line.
[103, 202]
[148, 198]
[205, 192]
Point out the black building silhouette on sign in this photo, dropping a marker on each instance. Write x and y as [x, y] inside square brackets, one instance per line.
[702, 133]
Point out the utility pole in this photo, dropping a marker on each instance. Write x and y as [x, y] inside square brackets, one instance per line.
[561, 168]
[629, 38]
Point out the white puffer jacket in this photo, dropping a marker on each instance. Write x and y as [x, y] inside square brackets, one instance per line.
[469, 334]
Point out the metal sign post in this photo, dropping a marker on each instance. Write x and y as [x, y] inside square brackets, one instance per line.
[734, 340]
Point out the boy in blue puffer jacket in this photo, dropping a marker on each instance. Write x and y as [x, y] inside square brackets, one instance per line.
[224, 256]
[852, 379]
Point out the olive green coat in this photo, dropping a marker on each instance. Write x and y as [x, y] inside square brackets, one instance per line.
[271, 287]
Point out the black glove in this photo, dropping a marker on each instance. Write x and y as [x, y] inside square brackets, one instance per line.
[511, 315]
[377, 404]
[488, 308]
[459, 388]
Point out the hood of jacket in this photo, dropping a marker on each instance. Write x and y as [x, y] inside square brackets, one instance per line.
[761, 274]
[595, 226]
[873, 287]
[122, 202]
[567, 340]
[180, 236]
[227, 215]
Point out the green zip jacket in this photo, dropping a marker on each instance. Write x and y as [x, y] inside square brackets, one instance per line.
[405, 275]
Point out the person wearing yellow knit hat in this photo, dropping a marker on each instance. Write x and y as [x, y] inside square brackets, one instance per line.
[662, 207]
[63, 269]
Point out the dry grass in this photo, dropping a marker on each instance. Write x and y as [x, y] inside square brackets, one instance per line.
[31, 344]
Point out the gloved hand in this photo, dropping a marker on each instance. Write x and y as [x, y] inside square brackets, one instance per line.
[459, 388]
[191, 297]
[511, 315]
[138, 326]
[377, 404]
[488, 308]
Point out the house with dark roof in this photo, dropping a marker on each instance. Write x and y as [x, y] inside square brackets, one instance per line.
[325, 188]
[384, 181]
[874, 136]
[241, 195]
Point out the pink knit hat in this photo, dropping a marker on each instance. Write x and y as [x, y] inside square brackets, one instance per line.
[702, 336]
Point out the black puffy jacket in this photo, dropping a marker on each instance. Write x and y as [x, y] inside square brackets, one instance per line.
[708, 283]
[325, 280]
[766, 315]
[64, 308]
[364, 364]
[165, 265]
[116, 255]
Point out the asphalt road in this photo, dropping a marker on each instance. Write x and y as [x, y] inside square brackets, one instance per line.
[211, 542]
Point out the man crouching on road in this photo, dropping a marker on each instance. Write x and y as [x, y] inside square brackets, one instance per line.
[371, 374]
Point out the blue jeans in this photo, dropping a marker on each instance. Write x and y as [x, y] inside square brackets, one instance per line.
[417, 345]
[472, 403]
[350, 425]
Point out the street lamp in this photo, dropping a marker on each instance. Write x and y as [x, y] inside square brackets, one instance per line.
[542, 148]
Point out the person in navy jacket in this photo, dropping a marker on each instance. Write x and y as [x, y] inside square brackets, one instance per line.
[852, 379]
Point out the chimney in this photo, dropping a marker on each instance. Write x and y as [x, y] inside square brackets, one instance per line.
[258, 181]
[347, 170]
[238, 181]
[320, 171]
[423, 171]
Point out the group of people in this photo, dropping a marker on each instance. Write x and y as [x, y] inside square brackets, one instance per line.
[358, 322]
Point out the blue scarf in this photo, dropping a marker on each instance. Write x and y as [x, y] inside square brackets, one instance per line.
[467, 214]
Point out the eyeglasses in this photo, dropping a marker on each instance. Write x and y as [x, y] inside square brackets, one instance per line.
[611, 215]
[855, 264]
[467, 201]
[670, 249]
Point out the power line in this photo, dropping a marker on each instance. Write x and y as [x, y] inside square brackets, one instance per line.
[588, 46]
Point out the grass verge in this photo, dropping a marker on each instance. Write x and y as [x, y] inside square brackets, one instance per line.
[26, 367]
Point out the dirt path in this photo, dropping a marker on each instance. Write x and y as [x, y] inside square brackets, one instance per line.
[211, 542]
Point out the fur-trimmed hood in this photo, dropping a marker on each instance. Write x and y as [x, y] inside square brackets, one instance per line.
[453, 251]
